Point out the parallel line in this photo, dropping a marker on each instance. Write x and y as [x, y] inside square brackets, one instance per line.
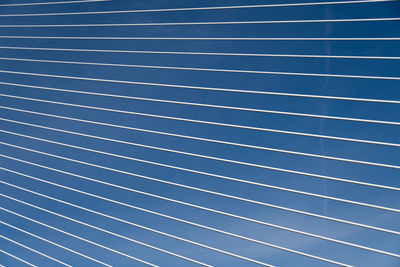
[51, 242]
[207, 70]
[201, 8]
[193, 205]
[260, 203]
[186, 222]
[34, 250]
[192, 138]
[198, 53]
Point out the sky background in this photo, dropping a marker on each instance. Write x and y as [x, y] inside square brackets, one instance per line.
[14, 144]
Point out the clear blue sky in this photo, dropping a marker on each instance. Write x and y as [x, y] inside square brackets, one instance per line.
[327, 86]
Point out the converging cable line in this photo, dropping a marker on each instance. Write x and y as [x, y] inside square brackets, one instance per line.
[207, 191]
[201, 122]
[178, 220]
[206, 38]
[202, 54]
[188, 204]
[198, 23]
[387, 101]
[188, 137]
[50, 3]
[34, 250]
[225, 107]
[66, 233]
[141, 226]
[89, 225]
[191, 170]
[191, 137]
[55, 244]
[199, 8]
[17, 258]
[204, 69]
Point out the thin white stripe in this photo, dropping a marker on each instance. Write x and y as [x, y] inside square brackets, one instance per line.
[15, 257]
[213, 141]
[207, 38]
[190, 170]
[92, 226]
[200, 8]
[191, 120]
[197, 23]
[140, 226]
[192, 205]
[204, 54]
[226, 107]
[227, 90]
[206, 69]
[211, 192]
[67, 233]
[187, 222]
[199, 139]
[50, 3]
[53, 243]
[34, 250]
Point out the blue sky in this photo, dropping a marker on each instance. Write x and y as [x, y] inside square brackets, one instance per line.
[188, 175]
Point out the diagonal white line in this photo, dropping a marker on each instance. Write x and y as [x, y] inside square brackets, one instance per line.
[388, 101]
[278, 112]
[202, 8]
[206, 122]
[209, 174]
[211, 192]
[208, 54]
[194, 138]
[17, 258]
[50, 242]
[67, 233]
[98, 228]
[206, 38]
[49, 3]
[187, 222]
[34, 250]
[195, 155]
[210, 70]
[134, 224]
[198, 23]
[188, 204]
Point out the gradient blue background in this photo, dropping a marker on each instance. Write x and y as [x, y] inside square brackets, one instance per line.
[364, 88]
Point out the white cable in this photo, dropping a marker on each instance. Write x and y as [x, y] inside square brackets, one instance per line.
[199, 139]
[225, 107]
[209, 174]
[203, 122]
[200, 8]
[388, 101]
[195, 138]
[34, 250]
[190, 154]
[210, 54]
[189, 204]
[211, 192]
[48, 3]
[67, 233]
[17, 258]
[138, 225]
[183, 221]
[108, 232]
[197, 23]
[207, 69]
[53, 243]
[206, 38]
[98, 228]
